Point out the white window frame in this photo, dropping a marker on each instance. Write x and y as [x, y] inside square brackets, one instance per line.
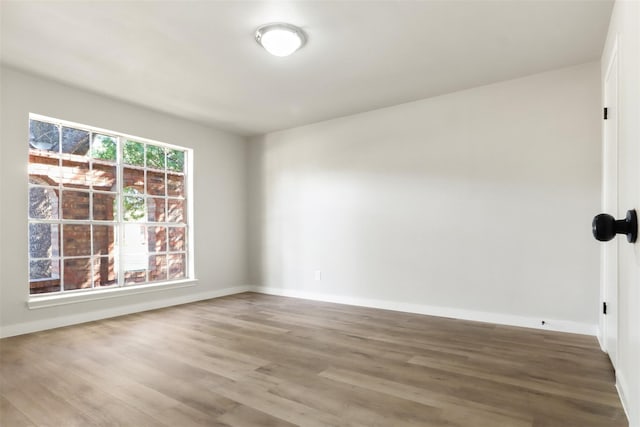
[120, 289]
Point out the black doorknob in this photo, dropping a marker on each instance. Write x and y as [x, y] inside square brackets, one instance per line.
[605, 227]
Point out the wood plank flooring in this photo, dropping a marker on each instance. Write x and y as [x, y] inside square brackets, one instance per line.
[259, 360]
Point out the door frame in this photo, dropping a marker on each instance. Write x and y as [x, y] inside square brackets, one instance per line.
[609, 250]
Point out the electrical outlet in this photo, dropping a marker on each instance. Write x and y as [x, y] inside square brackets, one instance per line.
[318, 275]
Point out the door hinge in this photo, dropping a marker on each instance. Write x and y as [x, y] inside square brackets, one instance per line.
[604, 308]
[606, 113]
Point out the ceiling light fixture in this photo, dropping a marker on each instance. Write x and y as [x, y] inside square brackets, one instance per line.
[280, 39]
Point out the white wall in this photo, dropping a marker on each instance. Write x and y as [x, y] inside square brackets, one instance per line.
[219, 187]
[475, 204]
[625, 27]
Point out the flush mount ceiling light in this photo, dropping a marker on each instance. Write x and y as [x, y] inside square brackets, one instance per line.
[280, 39]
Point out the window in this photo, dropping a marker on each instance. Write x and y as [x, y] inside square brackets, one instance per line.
[105, 209]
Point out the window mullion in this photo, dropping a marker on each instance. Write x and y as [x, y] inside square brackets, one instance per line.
[120, 214]
[60, 227]
[145, 206]
[92, 258]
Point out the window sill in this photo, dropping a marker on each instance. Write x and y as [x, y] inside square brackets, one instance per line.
[35, 302]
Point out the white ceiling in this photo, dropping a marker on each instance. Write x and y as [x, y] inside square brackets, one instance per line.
[198, 59]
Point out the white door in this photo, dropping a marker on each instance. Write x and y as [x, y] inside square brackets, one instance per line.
[610, 206]
[621, 61]
[628, 342]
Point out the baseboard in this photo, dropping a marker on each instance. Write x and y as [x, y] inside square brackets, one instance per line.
[621, 387]
[454, 313]
[601, 340]
[73, 319]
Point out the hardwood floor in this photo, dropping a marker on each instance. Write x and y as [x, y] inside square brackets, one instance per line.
[258, 360]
